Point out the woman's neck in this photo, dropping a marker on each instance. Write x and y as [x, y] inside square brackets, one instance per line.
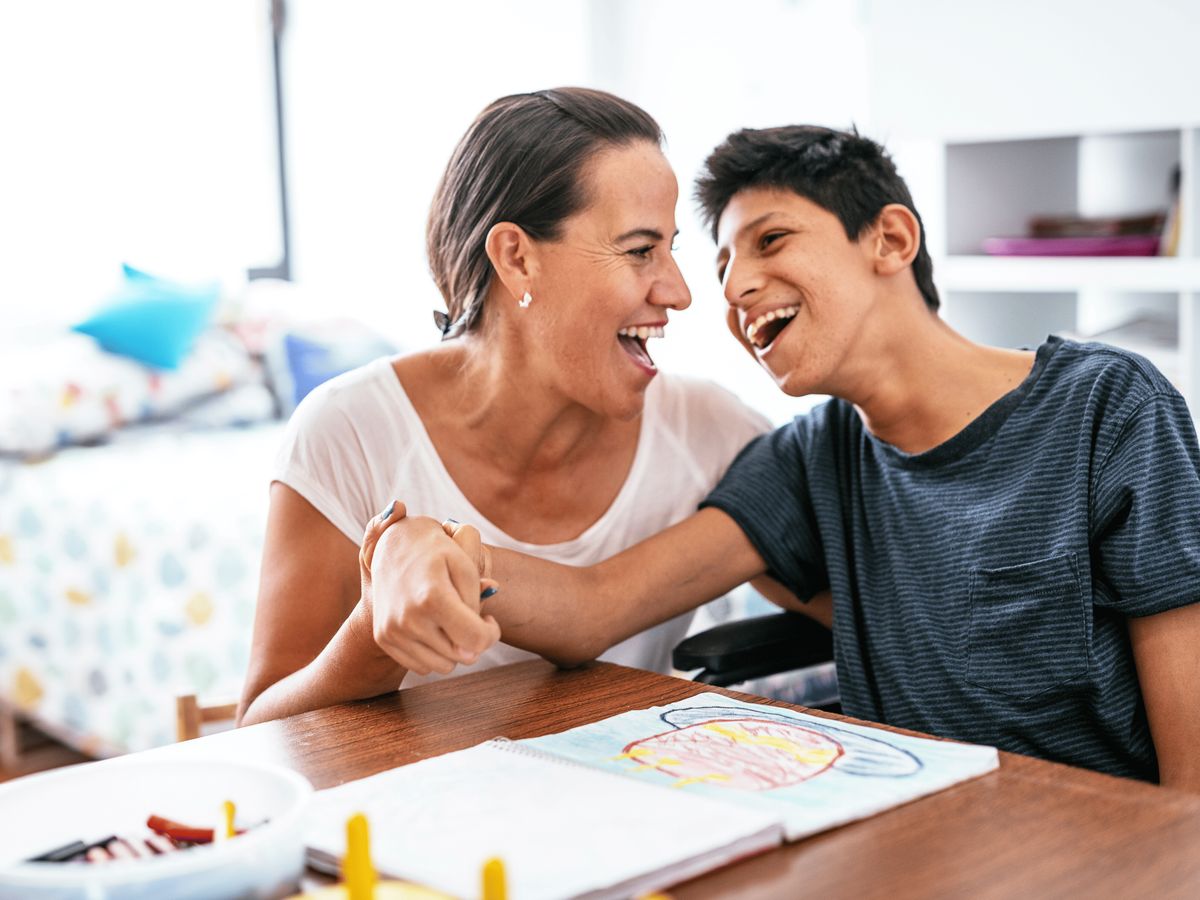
[520, 423]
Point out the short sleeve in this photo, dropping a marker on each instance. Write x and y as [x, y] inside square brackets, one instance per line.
[324, 461]
[1146, 511]
[766, 492]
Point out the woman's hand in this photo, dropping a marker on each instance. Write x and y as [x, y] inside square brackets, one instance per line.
[422, 582]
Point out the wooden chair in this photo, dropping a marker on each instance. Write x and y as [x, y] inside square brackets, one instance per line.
[191, 717]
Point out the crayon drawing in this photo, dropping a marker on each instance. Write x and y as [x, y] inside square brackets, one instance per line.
[758, 751]
[813, 772]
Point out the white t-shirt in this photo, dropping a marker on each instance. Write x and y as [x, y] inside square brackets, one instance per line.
[356, 443]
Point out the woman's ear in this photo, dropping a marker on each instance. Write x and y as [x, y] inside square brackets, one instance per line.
[511, 252]
[897, 239]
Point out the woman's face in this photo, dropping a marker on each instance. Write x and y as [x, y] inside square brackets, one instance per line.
[604, 286]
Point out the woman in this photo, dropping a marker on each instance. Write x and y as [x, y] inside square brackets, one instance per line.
[539, 418]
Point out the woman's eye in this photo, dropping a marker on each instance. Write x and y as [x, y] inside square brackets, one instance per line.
[641, 252]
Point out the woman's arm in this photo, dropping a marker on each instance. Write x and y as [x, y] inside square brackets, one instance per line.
[313, 643]
[565, 613]
[1168, 666]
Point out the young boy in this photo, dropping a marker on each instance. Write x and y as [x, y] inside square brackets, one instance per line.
[1009, 538]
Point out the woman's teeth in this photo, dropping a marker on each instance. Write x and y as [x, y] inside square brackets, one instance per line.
[642, 332]
[760, 335]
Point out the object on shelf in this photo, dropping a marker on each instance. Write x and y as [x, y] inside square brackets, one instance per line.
[1096, 226]
[1170, 232]
[1117, 245]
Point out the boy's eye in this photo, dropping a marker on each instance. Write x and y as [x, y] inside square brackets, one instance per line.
[769, 238]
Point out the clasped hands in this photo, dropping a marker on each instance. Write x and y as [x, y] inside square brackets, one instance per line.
[422, 581]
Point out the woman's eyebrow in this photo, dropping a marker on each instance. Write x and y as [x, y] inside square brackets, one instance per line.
[652, 234]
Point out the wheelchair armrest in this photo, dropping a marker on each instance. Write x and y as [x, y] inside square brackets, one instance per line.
[751, 648]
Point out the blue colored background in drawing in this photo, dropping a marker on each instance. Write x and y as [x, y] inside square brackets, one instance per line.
[877, 769]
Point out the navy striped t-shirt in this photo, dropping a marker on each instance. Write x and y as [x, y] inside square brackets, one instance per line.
[981, 588]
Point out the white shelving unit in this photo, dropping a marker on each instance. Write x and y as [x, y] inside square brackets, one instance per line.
[993, 187]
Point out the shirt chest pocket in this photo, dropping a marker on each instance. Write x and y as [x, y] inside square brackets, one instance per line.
[1027, 631]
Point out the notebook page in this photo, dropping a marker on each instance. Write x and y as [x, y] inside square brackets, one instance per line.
[562, 830]
[810, 772]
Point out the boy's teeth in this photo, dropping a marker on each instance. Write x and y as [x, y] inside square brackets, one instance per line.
[786, 313]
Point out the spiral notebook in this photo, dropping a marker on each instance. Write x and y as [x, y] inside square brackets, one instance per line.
[561, 829]
[635, 802]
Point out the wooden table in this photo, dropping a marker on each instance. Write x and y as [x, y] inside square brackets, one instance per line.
[1032, 829]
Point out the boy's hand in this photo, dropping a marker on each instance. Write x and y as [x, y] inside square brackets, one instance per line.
[423, 589]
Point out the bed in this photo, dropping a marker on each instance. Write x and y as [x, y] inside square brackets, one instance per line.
[127, 576]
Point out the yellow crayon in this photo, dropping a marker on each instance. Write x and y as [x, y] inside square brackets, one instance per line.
[230, 811]
[357, 870]
[360, 881]
[495, 885]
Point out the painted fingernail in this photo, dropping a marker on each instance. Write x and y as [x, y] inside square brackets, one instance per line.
[490, 592]
[387, 513]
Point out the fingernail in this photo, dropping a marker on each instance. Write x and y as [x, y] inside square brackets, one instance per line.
[387, 513]
[453, 522]
[488, 593]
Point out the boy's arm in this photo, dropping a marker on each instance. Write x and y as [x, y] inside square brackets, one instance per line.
[818, 607]
[571, 615]
[1164, 648]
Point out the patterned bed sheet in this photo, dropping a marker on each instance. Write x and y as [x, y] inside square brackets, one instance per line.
[128, 575]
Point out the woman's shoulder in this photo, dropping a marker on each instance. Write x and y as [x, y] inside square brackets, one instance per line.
[350, 394]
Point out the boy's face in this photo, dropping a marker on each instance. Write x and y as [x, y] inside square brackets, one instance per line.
[798, 290]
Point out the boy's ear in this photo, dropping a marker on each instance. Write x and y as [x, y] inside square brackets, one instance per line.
[513, 256]
[897, 238]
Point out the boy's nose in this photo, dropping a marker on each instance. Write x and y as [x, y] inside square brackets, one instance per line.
[740, 283]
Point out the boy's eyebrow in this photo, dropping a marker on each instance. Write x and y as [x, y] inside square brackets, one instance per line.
[652, 234]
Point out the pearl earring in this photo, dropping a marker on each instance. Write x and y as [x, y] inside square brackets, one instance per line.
[525, 300]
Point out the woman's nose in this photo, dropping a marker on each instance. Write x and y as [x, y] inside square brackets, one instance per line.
[671, 290]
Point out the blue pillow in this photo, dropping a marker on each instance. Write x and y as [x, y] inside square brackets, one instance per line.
[307, 356]
[152, 320]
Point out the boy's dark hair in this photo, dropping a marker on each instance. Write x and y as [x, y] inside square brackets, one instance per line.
[521, 161]
[843, 172]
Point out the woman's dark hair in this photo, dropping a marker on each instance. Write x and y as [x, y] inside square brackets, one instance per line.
[520, 162]
[843, 172]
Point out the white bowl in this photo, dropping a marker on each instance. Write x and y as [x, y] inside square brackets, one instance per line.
[91, 801]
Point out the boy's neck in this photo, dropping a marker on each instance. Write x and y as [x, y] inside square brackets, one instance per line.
[928, 382]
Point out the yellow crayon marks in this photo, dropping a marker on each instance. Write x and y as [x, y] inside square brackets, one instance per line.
[648, 757]
[7, 555]
[27, 690]
[700, 779]
[813, 756]
[77, 597]
[199, 608]
[123, 551]
[634, 753]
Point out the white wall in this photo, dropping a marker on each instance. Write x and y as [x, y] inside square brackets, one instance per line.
[133, 130]
[378, 94]
[974, 69]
